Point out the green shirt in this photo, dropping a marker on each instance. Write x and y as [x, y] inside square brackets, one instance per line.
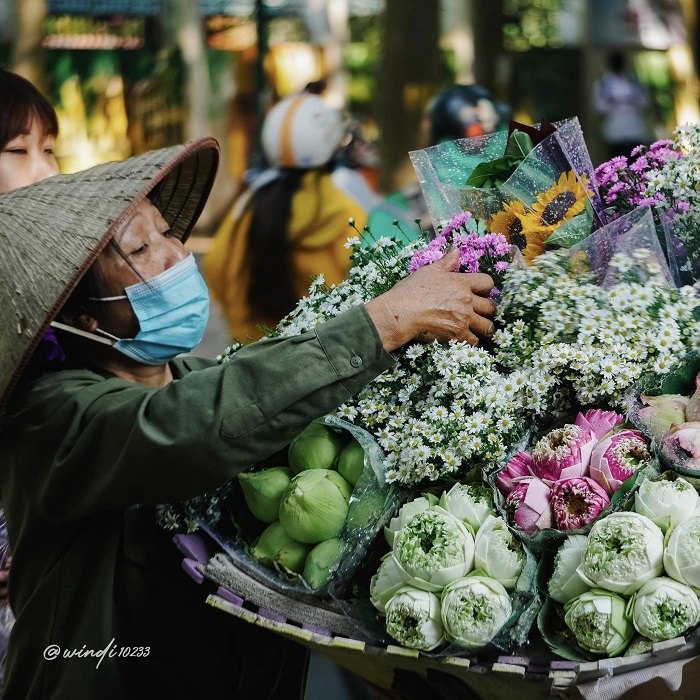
[79, 450]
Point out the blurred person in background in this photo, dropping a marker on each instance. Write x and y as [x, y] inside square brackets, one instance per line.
[290, 225]
[28, 129]
[458, 112]
[621, 100]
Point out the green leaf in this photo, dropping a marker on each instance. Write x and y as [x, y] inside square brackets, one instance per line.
[494, 172]
[519, 144]
[574, 230]
[682, 380]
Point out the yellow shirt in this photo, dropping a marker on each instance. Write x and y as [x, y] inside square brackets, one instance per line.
[318, 231]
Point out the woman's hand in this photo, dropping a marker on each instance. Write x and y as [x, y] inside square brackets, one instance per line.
[434, 303]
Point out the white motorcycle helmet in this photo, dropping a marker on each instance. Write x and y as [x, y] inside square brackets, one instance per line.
[301, 131]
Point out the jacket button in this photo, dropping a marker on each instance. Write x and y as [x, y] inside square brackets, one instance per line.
[356, 361]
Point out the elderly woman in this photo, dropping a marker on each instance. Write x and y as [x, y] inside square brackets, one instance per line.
[100, 428]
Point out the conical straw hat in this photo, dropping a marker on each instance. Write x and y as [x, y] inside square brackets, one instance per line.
[52, 231]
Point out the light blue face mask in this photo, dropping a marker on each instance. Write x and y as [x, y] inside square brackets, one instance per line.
[172, 309]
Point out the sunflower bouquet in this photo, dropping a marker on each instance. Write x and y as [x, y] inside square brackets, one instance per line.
[533, 185]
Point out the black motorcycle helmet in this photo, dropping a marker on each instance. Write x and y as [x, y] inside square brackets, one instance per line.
[465, 110]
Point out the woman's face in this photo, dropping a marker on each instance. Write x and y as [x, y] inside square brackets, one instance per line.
[147, 249]
[27, 158]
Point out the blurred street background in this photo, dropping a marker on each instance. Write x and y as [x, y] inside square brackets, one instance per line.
[127, 76]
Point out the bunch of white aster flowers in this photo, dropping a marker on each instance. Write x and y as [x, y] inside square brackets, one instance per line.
[447, 408]
[578, 342]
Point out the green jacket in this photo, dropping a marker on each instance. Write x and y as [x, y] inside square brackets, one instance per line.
[79, 450]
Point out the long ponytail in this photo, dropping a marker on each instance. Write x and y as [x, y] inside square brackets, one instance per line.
[271, 283]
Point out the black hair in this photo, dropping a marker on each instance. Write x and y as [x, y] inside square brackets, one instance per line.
[20, 102]
[271, 283]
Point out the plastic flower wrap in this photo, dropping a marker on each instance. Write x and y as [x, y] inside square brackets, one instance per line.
[565, 582]
[661, 412]
[664, 608]
[664, 175]
[530, 185]
[588, 322]
[598, 620]
[659, 406]
[435, 548]
[682, 554]
[280, 561]
[413, 618]
[624, 551]
[498, 553]
[667, 501]
[474, 609]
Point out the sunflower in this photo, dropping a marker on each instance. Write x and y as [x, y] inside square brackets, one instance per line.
[560, 203]
[511, 222]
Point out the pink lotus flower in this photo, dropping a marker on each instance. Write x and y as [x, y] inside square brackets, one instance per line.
[618, 456]
[662, 412]
[528, 505]
[686, 437]
[576, 502]
[518, 465]
[599, 422]
[563, 453]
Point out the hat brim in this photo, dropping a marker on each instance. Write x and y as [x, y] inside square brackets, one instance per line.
[51, 233]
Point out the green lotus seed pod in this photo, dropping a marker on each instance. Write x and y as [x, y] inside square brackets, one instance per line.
[315, 505]
[320, 560]
[276, 545]
[351, 462]
[263, 490]
[316, 447]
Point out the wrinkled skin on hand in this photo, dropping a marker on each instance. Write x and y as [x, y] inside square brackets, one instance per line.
[435, 303]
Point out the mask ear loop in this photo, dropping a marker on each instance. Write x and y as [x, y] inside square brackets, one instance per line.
[91, 336]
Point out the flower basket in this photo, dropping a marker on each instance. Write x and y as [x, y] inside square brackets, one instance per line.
[533, 672]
